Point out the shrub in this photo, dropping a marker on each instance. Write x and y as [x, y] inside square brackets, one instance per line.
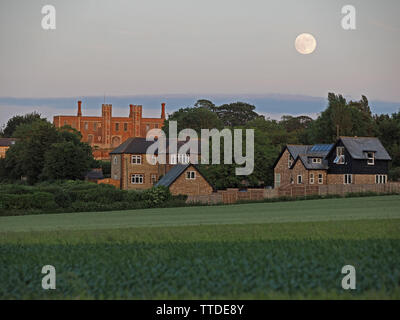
[16, 189]
[36, 200]
[176, 201]
[101, 194]
[133, 196]
[394, 174]
[156, 196]
[62, 199]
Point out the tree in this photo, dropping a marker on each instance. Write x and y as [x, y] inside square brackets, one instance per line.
[347, 119]
[269, 139]
[236, 114]
[15, 121]
[66, 160]
[297, 127]
[26, 156]
[388, 131]
[3, 170]
[299, 123]
[45, 152]
[194, 118]
[204, 103]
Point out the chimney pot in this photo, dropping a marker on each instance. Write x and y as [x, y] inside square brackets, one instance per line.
[79, 108]
[163, 110]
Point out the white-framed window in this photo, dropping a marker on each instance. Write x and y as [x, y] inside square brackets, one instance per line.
[290, 161]
[299, 179]
[370, 158]
[191, 175]
[316, 160]
[137, 179]
[115, 160]
[183, 158]
[348, 179]
[380, 178]
[277, 179]
[320, 178]
[339, 155]
[172, 158]
[311, 178]
[153, 178]
[136, 159]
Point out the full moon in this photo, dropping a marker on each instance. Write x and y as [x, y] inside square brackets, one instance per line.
[305, 43]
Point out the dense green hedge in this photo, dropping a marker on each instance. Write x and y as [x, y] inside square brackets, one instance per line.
[79, 196]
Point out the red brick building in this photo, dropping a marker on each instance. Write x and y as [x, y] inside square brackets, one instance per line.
[5, 144]
[105, 133]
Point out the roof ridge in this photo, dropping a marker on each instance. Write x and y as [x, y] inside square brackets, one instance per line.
[356, 137]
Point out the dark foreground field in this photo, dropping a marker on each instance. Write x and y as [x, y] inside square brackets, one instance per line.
[250, 261]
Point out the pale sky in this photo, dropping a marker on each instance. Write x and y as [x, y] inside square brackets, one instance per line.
[157, 47]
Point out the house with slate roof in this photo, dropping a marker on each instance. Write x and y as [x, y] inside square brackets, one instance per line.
[186, 179]
[351, 160]
[131, 170]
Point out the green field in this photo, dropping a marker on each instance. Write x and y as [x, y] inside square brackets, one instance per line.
[383, 207]
[263, 250]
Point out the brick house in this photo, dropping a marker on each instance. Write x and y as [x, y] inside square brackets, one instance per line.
[131, 170]
[5, 144]
[105, 133]
[186, 179]
[351, 160]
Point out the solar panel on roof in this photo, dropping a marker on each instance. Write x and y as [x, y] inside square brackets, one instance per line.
[321, 147]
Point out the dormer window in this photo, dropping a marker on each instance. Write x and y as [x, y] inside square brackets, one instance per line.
[339, 155]
[370, 158]
[316, 160]
[290, 161]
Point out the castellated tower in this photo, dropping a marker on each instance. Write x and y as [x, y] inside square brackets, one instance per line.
[106, 132]
[106, 114]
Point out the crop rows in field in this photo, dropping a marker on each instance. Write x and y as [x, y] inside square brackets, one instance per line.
[250, 261]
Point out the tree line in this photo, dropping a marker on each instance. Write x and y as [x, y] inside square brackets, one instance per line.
[43, 152]
[341, 117]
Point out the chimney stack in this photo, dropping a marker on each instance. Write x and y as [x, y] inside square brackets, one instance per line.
[131, 106]
[163, 110]
[79, 108]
